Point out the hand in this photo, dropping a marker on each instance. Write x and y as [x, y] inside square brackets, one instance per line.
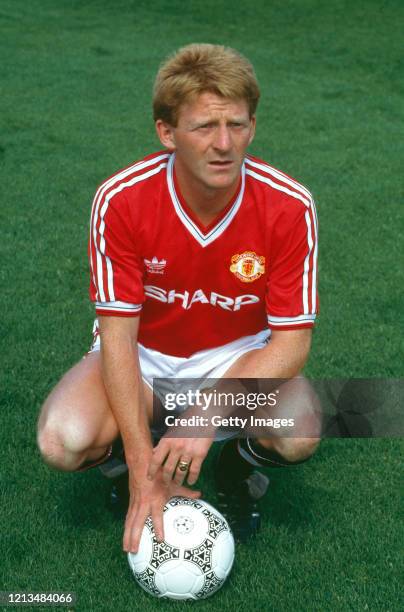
[170, 451]
[147, 498]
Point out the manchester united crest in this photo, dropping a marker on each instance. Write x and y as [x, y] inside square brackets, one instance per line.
[248, 266]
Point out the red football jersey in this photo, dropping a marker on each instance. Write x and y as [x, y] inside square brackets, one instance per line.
[199, 287]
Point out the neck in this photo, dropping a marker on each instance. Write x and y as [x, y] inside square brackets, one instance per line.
[206, 202]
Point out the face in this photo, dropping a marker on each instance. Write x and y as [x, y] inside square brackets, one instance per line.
[210, 141]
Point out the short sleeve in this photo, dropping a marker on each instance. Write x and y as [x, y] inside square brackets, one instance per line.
[291, 298]
[116, 284]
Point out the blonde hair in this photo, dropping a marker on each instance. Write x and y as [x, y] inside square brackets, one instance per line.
[200, 68]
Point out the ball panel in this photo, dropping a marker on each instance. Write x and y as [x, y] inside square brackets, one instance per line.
[141, 559]
[223, 554]
[201, 555]
[211, 585]
[185, 524]
[147, 580]
[180, 578]
[162, 553]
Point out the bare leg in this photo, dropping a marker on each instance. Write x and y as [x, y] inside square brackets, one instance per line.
[76, 423]
[297, 400]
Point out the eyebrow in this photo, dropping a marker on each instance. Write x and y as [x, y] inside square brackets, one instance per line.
[194, 124]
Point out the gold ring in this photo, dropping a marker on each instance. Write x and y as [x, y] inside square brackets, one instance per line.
[183, 466]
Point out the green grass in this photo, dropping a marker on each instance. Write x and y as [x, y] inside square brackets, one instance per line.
[75, 106]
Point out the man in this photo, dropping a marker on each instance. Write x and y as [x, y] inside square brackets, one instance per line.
[203, 264]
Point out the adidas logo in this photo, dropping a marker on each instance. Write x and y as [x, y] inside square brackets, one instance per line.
[154, 266]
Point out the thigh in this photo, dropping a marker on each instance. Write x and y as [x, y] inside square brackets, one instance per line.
[298, 401]
[80, 400]
[292, 426]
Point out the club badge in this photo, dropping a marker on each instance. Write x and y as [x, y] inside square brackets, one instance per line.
[248, 266]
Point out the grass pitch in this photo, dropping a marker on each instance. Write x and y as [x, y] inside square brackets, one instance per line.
[75, 107]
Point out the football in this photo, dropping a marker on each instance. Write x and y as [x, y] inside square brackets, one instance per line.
[194, 559]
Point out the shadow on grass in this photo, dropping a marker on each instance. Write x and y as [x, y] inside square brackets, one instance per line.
[290, 501]
[294, 499]
[83, 499]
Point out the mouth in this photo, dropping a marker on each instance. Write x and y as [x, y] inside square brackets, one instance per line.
[221, 164]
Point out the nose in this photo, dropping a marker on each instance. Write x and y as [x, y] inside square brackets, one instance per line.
[222, 141]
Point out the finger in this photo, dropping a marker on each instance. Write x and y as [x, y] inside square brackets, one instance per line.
[185, 492]
[157, 460]
[129, 520]
[180, 475]
[194, 470]
[136, 529]
[157, 518]
[170, 466]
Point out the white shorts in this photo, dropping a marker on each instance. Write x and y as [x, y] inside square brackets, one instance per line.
[210, 363]
[202, 366]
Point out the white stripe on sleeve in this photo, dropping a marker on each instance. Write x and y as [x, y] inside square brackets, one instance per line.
[118, 307]
[94, 220]
[101, 245]
[305, 318]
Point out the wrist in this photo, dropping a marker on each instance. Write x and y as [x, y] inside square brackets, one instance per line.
[138, 456]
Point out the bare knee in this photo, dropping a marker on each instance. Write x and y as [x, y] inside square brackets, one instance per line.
[51, 448]
[76, 421]
[296, 450]
[62, 442]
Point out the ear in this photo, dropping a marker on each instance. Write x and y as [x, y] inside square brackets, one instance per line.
[165, 132]
[253, 125]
